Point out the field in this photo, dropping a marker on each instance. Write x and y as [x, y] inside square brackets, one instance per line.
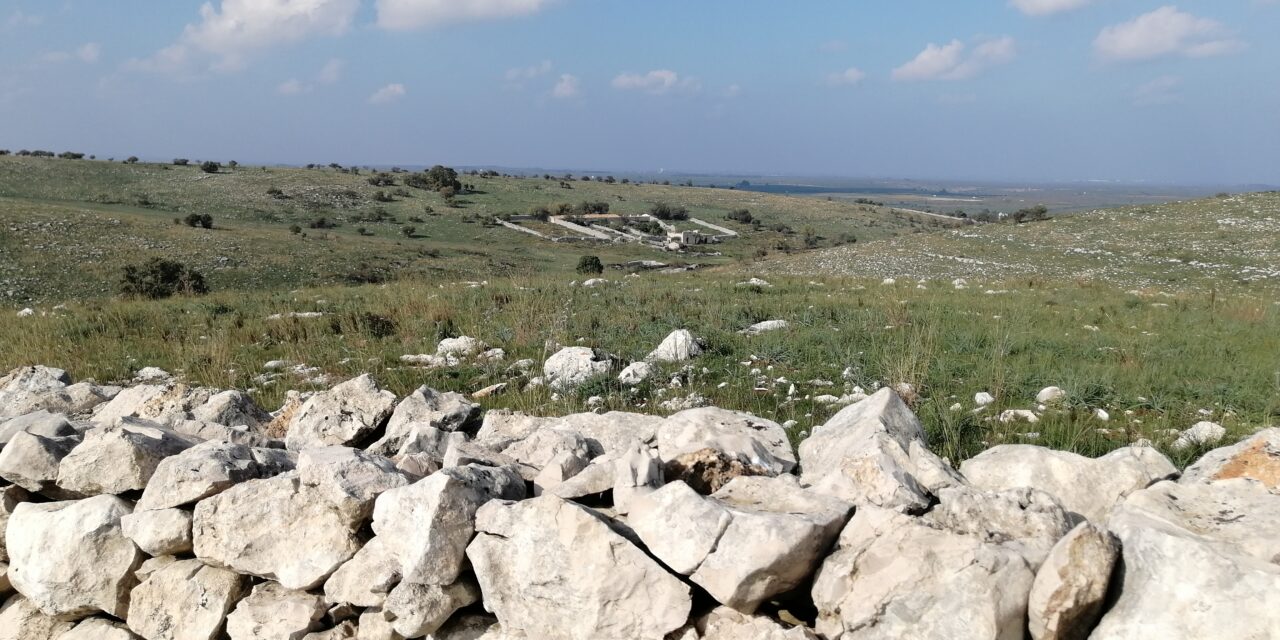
[1159, 315]
[67, 227]
[1225, 243]
[1156, 364]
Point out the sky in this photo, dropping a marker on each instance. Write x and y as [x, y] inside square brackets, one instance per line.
[997, 90]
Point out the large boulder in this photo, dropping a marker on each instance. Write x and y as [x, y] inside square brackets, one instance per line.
[873, 453]
[31, 461]
[428, 408]
[613, 432]
[208, 469]
[164, 532]
[119, 458]
[232, 408]
[29, 389]
[895, 576]
[1256, 458]
[186, 600]
[49, 425]
[1070, 588]
[21, 619]
[343, 415]
[753, 539]
[571, 366]
[276, 613]
[1199, 561]
[1085, 486]
[678, 346]
[295, 528]
[707, 447]
[165, 404]
[552, 569]
[71, 559]
[427, 525]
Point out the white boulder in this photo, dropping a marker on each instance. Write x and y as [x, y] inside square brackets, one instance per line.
[340, 416]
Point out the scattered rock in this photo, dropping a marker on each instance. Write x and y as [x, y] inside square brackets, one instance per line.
[635, 373]
[1200, 434]
[572, 366]
[1051, 395]
[764, 327]
[678, 346]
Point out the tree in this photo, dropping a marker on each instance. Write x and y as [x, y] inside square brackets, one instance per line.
[740, 215]
[664, 211]
[590, 265]
[131, 160]
[181, 162]
[233, 164]
[1038, 212]
[160, 278]
[209, 166]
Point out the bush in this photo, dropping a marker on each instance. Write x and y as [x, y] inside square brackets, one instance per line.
[192, 219]
[381, 196]
[181, 162]
[740, 215]
[131, 160]
[209, 166]
[160, 278]
[322, 223]
[276, 193]
[295, 229]
[408, 231]
[206, 221]
[1038, 212]
[598, 208]
[590, 265]
[664, 211]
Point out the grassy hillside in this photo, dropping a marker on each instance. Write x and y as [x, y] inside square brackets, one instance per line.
[68, 226]
[1156, 364]
[1220, 243]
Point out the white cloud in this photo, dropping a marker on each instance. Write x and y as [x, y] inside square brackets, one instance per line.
[847, 78]
[416, 14]
[87, 53]
[956, 61]
[833, 46]
[1162, 90]
[1165, 32]
[529, 72]
[658, 81]
[18, 19]
[389, 93]
[331, 72]
[236, 29]
[1047, 7]
[567, 87]
[292, 87]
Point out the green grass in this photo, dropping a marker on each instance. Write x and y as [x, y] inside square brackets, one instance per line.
[68, 227]
[1230, 243]
[1163, 363]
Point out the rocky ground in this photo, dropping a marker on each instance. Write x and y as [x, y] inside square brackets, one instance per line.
[163, 510]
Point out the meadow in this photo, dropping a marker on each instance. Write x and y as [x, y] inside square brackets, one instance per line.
[1155, 363]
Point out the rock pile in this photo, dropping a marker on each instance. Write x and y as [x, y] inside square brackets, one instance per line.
[165, 511]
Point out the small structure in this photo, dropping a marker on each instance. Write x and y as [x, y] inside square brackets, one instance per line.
[687, 238]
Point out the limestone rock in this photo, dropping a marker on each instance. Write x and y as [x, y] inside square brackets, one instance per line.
[119, 458]
[635, 373]
[343, 415]
[31, 461]
[187, 600]
[764, 327]
[207, 469]
[298, 527]
[276, 613]
[1199, 562]
[10, 498]
[873, 453]
[613, 432]
[98, 629]
[1051, 395]
[724, 623]
[343, 631]
[755, 538]
[1084, 486]
[739, 444]
[416, 610]
[232, 408]
[42, 423]
[572, 366]
[678, 346]
[1257, 458]
[71, 559]
[1200, 434]
[426, 407]
[164, 404]
[375, 626]
[876, 586]
[1025, 519]
[604, 586]
[596, 478]
[636, 474]
[20, 619]
[367, 578]
[1071, 586]
[214, 431]
[29, 389]
[427, 525]
[543, 446]
[164, 532]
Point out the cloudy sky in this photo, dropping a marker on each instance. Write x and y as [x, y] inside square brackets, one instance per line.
[979, 89]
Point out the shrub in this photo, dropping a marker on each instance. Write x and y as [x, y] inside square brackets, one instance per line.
[206, 221]
[323, 223]
[599, 208]
[408, 231]
[664, 211]
[590, 265]
[181, 162]
[381, 196]
[192, 219]
[276, 193]
[209, 166]
[131, 160]
[1038, 212]
[160, 278]
[4, 152]
[740, 215]
[295, 229]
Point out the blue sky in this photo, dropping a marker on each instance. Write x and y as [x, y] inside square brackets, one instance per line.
[984, 89]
